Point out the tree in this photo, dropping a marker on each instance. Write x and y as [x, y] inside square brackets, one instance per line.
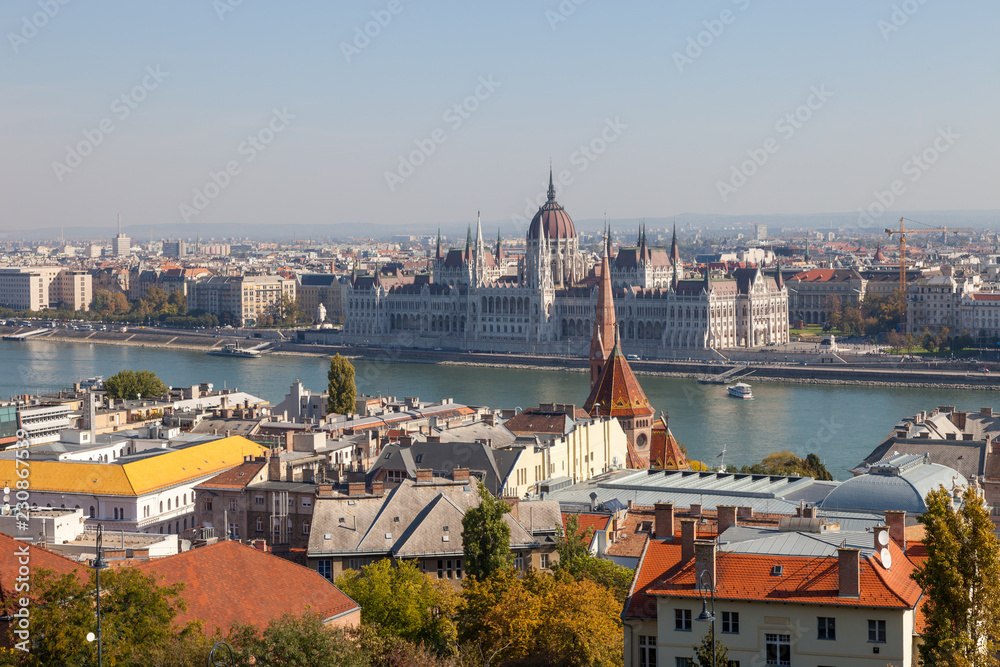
[136, 618]
[703, 652]
[577, 562]
[131, 384]
[486, 536]
[961, 582]
[786, 463]
[341, 392]
[540, 619]
[404, 602]
[297, 641]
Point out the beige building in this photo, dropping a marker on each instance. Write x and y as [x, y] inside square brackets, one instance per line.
[43, 287]
[935, 303]
[244, 298]
[810, 293]
[802, 593]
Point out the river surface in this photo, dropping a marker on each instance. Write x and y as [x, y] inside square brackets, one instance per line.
[841, 424]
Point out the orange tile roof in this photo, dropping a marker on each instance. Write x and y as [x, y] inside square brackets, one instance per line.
[617, 392]
[598, 522]
[10, 550]
[229, 582]
[234, 478]
[806, 580]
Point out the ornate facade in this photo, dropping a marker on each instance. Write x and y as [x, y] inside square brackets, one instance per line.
[546, 302]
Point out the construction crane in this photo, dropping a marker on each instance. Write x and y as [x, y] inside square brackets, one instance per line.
[903, 231]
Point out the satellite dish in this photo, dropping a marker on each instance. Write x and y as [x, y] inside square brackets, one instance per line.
[883, 538]
[886, 558]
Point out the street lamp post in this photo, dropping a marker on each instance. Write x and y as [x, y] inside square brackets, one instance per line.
[705, 616]
[99, 565]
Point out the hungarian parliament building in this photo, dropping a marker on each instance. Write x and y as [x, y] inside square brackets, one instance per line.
[476, 299]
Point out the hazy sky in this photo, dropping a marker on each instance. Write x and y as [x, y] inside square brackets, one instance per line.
[647, 108]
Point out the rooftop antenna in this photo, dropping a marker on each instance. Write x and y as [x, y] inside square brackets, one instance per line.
[119, 224]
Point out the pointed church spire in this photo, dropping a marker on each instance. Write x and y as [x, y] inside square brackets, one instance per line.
[552, 188]
[437, 254]
[499, 251]
[604, 321]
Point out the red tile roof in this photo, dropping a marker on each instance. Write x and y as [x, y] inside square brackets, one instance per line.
[598, 522]
[229, 582]
[10, 555]
[806, 580]
[234, 478]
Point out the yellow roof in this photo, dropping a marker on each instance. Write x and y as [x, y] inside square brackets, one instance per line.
[138, 477]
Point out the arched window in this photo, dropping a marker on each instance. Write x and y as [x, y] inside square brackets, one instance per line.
[161, 507]
[92, 512]
[168, 504]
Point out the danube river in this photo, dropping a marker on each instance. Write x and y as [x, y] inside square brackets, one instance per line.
[841, 424]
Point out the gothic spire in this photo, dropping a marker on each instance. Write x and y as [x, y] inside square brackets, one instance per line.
[552, 188]
[604, 321]
[437, 254]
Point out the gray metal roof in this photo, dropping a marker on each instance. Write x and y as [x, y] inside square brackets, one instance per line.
[764, 493]
[898, 482]
[772, 542]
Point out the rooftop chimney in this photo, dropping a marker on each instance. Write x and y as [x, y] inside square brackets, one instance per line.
[424, 475]
[689, 532]
[849, 570]
[460, 474]
[727, 517]
[695, 509]
[663, 520]
[809, 512]
[744, 512]
[356, 488]
[378, 487]
[876, 533]
[896, 520]
[704, 561]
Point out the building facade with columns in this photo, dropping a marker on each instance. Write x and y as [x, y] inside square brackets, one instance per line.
[476, 299]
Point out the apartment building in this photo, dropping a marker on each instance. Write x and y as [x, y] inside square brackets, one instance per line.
[935, 303]
[810, 292]
[243, 298]
[42, 287]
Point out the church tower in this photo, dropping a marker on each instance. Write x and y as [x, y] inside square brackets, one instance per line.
[603, 340]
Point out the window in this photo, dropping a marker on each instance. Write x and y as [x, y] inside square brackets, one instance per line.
[449, 569]
[682, 620]
[683, 662]
[208, 505]
[307, 502]
[323, 567]
[731, 622]
[826, 628]
[232, 504]
[519, 562]
[876, 631]
[260, 525]
[544, 561]
[305, 527]
[647, 651]
[258, 500]
[778, 649]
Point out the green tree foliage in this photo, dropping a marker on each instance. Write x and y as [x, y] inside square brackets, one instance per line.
[403, 601]
[703, 652]
[576, 561]
[486, 536]
[874, 315]
[295, 641]
[786, 463]
[136, 620]
[961, 582]
[341, 390]
[131, 384]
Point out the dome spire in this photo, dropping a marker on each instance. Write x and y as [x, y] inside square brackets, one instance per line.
[552, 189]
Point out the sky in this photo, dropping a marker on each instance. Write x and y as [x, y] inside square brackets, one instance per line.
[420, 113]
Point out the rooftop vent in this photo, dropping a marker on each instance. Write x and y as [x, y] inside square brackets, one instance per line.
[388, 536]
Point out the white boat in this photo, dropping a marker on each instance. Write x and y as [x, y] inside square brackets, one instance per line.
[234, 350]
[740, 390]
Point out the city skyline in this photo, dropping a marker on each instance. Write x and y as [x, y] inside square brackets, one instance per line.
[236, 113]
